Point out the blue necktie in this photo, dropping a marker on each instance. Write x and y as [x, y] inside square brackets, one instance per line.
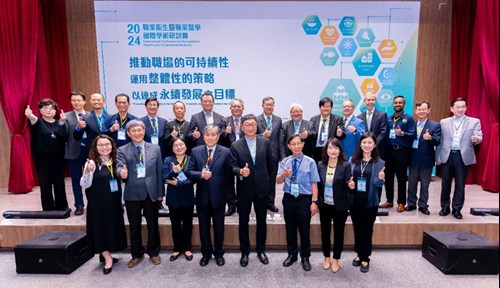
[269, 125]
[295, 169]
[153, 123]
[321, 141]
[296, 127]
[139, 152]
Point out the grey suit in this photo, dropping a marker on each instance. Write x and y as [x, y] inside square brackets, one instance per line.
[455, 162]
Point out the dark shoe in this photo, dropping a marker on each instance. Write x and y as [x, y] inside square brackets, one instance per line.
[263, 258]
[273, 208]
[160, 206]
[410, 208]
[244, 261]
[457, 214]
[386, 205]
[135, 261]
[444, 211]
[365, 267]
[174, 257]
[289, 260]
[106, 271]
[220, 261]
[356, 262]
[102, 260]
[306, 265]
[204, 260]
[79, 210]
[424, 210]
[230, 211]
[188, 255]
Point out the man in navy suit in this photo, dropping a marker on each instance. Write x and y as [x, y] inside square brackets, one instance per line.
[375, 120]
[156, 127]
[178, 127]
[422, 158]
[354, 128]
[93, 123]
[201, 119]
[297, 126]
[269, 126]
[139, 166]
[209, 168]
[117, 122]
[251, 162]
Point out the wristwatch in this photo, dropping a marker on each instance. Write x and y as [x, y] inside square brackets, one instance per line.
[315, 202]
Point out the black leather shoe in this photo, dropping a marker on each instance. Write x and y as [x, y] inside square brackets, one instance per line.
[188, 257]
[174, 257]
[444, 211]
[244, 261]
[273, 208]
[457, 214]
[263, 258]
[289, 260]
[160, 206]
[79, 210]
[410, 208]
[230, 211]
[102, 260]
[204, 260]
[364, 267]
[106, 271]
[356, 262]
[424, 210]
[306, 265]
[220, 261]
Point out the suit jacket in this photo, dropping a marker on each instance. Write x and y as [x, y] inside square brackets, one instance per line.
[92, 128]
[258, 182]
[152, 185]
[276, 124]
[181, 195]
[374, 182]
[340, 189]
[73, 145]
[424, 156]
[288, 130]
[230, 138]
[470, 127]
[378, 124]
[198, 121]
[162, 133]
[212, 191]
[116, 117]
[334, 122]
[351, 140]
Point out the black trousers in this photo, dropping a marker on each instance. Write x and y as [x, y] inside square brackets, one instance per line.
[206, 215]
[397, 164]
[182, 227]
[272, 183]
[327, 213]
[135, 209]
[363, 219]
[453, 168]
[231, 193]
[76, 171]
[244, 209]
[50, 170]
[297, 213]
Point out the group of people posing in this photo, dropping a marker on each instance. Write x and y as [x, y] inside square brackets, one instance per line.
[331, 164]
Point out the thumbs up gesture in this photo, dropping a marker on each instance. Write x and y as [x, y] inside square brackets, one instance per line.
[115, 126]
[351, 128]
[339, 131]
[426, 135]
[176, 168]
[124, 172]
[28, 112]
[228, 129]
[245, 171]
[89, 166]
[62, 116]
[304, 134]
[196, 133]
[174, 132]
[267, 133]
[351, 183]
[398, 131]
[381, 174]
[287, 172]
[81, 123]
[474, 138]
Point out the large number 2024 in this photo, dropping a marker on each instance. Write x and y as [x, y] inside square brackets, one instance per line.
[133, 28]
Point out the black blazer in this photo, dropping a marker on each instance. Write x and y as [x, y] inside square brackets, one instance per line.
[184, 128]
[378, 124]
[162, 133]
[340, 188]
[92, 128]
[287, 131]
[198, 121]
[229, 139]
[425, 156]
[181, 195]
[334, 122]
[258, 182]
[276, 124]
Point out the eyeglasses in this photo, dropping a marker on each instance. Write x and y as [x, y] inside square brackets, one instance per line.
[48, 108]
[297, 144]
[180, 145]
[250, 125]
[103, 144]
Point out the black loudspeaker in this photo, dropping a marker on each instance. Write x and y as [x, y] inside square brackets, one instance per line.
[37, 214]
[459, 252]
[53, 252]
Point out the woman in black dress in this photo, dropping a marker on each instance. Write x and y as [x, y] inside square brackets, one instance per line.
[105, 224]
[48, 137]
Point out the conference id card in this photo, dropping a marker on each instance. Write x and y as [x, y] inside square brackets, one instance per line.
[361, 184]
[181, 177]
[113, 185]
[455, 145]
[141, 170]
[415, 144]
[294, 189]
[328, 195]
[122, 134]
[392, 134]
[206, 169]
[324, 137]
[154, 140]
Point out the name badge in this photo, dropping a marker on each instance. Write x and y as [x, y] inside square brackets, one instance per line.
[154, 140]
[121, 134]
[392, 134]
[181, 177]
[294, 189]
[415, 144]
[455, 143]
[84, 135]
[237, 136]
[361, 184]
[328, 195]
[141, 170]
[113, 185]
[324, 137]
[206, 169]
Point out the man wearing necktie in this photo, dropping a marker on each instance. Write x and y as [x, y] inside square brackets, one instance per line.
[329, 126]
[354, 128]
[117, 122]
[156, 127]
[298, 126]
[269, 126]
[203, 118]
[375, 120]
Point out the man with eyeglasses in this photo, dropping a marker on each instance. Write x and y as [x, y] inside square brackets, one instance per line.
[156, 127]
[118, 121]
[460, 133]
[203, 118]
[178, 127]
[354, 128]
[328, 125]
[297, 126]
[375, 120]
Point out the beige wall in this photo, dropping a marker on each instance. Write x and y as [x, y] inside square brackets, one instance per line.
[432, 77]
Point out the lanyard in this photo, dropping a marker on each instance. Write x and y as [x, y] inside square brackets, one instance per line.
[110, 168]
[179, 127]
[183, 162]
[363, 167]
[123, 121]
[395, 120]
[100, 121]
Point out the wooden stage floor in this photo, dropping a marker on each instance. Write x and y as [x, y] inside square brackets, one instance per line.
[397, 230]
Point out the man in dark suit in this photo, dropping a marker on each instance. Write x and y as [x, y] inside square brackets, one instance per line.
[139, 166]
[209, 168]
[156, 127]
[93, 123]
[76, 150]
[178, 127]
[116, 123]
[460, 134]
[375, 120]
[328, 126]
[251, 162]
[422, 158]
[296, 125]
[201, 119]
[269, 126]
